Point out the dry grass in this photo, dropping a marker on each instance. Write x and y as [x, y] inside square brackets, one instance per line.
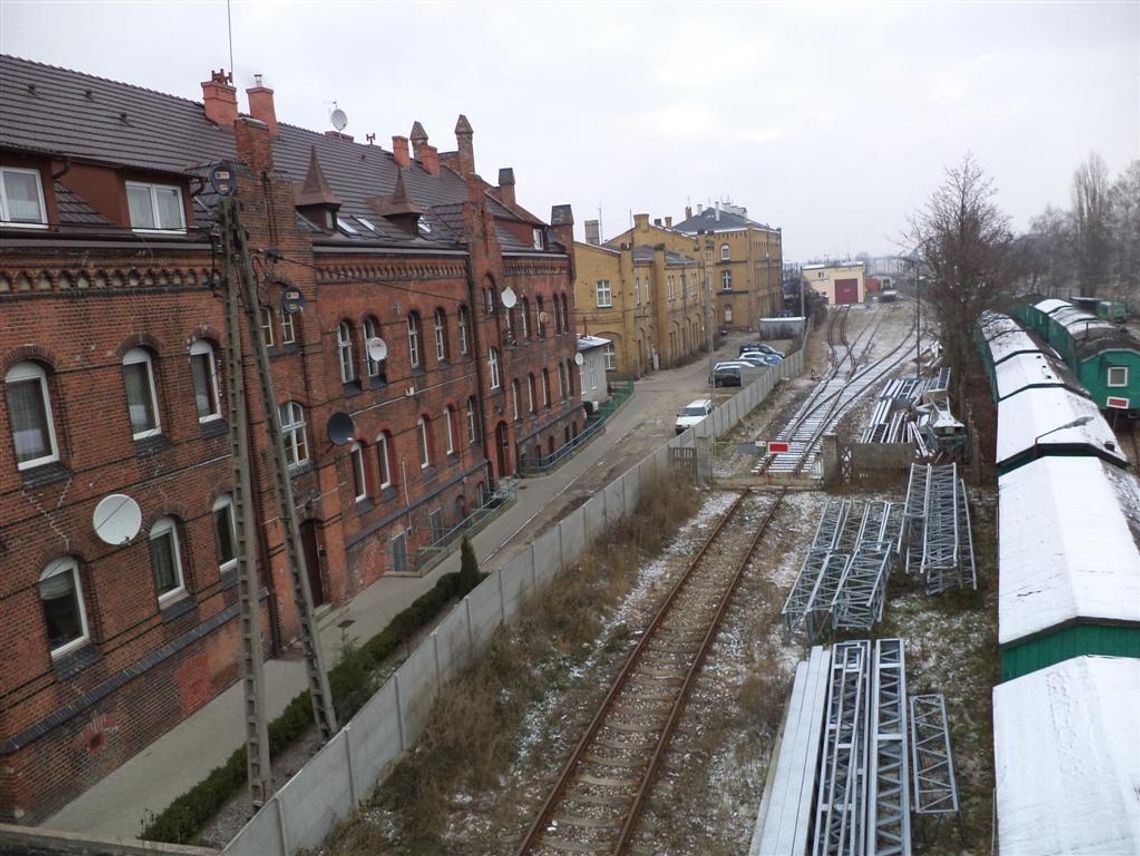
[471, 740]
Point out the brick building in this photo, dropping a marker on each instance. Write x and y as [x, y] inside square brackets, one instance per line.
[111, 353]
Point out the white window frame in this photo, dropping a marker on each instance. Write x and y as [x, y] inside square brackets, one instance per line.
[672, 288]
[604, 294]
[726, 280]
[728, 313]
[1111, 369]
[267, 326]
[166, 526]
[609, 353]
[531, 395]
[524, 314]
[225, 504]
[140, 356]
[294, 433]
[32, 371]
[414, 357]
[450, 433]
[493, 367]
[546, 388]
[563, 382]
[515, 398]
[288, 329]
[725, 253]
[440, 335]
[636, 291]
[464, 321]
[201, 348]
[472, 423]
[536, 235]
[153, 189]
[67, 565]
[344, 352]
[384, 461]
[359, 474]
[399, 564]
[422, 429]
[5, 215]
[375, 368]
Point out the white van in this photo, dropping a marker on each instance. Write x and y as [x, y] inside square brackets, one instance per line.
[694, 412]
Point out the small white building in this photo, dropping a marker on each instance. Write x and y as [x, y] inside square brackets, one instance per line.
[596, 354]
[841, 283]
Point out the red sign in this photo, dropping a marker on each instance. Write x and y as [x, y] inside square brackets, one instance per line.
[1117, 403]
[777, 446]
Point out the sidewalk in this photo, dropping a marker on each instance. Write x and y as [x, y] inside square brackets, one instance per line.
[183, 756]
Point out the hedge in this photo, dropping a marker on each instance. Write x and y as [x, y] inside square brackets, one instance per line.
[352, 681]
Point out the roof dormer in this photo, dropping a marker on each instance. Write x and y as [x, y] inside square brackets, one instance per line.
[315, 199]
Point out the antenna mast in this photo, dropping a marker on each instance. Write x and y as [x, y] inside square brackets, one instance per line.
[230, 30]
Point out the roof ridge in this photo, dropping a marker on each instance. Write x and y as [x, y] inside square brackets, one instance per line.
[99, 77]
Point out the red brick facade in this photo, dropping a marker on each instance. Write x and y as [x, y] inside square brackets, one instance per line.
[83, 292]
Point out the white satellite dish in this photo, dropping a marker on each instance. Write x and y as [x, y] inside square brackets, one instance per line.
[377, 349]
[579, 359]
[509, 297]
[117, 519]
[339, 119]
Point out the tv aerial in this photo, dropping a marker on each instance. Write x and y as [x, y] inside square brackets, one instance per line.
[117, 519]
[377, 349]
[338, 118]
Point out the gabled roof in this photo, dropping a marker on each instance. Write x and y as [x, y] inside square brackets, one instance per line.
[1032, 421]
[315, 190]
[709, 220]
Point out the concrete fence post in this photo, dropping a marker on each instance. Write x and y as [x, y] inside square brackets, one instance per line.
[470, 627]
[285, 848]
[502, 597]
[533, 567]
[561, 550]
[435, 652]
[399, 710]
[347, 730]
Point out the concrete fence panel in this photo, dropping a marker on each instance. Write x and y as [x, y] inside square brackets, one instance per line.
[262, 836]
[486, 605]
[417, 681]
[630, 488]
[452, 642]
[317, 797]
[595, 516]
[615, 502]
[547, 554]
[573, 529]
[375, 737]
[517, 580]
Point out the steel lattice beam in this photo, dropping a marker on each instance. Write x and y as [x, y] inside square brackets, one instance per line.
[888, 802]
[932, 770]
[858, 602]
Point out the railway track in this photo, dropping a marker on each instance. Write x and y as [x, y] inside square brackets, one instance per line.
[595, 804]
[831, 398]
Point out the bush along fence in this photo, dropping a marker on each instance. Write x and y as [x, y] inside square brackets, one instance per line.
[344, 771]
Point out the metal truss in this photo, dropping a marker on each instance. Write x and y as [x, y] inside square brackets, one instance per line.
[817, 615]
[859, 599]
[888, 801]
[935, 788]
[940, 544]
[840, 811]
[800, 597]
[913, 526]
[831, 524]
[969, 569]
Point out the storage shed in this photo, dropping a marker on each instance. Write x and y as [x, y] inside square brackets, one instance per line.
[1067, 768]
[1069, 582]
[1052, 421]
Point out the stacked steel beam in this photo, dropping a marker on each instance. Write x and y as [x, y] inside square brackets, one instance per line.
[936, 537]
[891, 421]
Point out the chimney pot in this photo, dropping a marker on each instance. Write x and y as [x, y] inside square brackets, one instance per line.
[507, 185]
[219, 99]
[641, 221]
[429, 159]
[261, 105]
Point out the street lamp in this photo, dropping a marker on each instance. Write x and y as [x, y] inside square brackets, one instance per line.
[1076, 423]
[708, 301]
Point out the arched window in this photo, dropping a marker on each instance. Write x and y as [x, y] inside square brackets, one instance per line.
[441, 336]
[204, 370]
[515, 387]
[225, 532]
[725, 253]
[464, 330]
[61, 598]
[563, 382]
[493, 366]
[423, 430]
[384, 451]
[377, 369]
[524, 316]
[532, 397]
[565, 313]
[266, 313]
[490, 299]
[540, 316]
[414, 339]
[166, 560]
[449, 430]
[293, 433]
[29, 413]
[359, 475]
[344, 352]
[142, 400]
[546, 387]
[472, 422]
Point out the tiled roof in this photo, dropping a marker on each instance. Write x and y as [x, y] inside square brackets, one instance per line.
[57, 111]
[74, 211]
[726, 222]
[645, 254]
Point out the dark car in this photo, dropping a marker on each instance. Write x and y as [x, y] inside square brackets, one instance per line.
[726, 376]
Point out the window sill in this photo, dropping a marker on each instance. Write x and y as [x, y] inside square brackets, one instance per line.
[14, 224]
[276, 351]
[214, 428]
[377, 382]
[428, 473]
[71, 663]
[300, 468]
[152, 444]
[348, 390]
[364, 505]
[178, 606]
[229, 577]
[387, 494]
[45, 474]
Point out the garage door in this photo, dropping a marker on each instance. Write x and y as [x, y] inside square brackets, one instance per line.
[846, 291]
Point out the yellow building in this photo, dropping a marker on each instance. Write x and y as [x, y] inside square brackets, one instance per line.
[644, 297]
[838, 283]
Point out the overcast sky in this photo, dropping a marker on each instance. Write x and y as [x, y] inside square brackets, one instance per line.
[830, 120]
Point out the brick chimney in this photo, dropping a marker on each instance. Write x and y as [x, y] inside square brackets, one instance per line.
[419, 139]
[640, 221]
[464, 133]
[261, 105]
[668, 222]
[219, 98]
[400, 152]
[507, 185]
[429, 159]
[688, 212]
[562, 222]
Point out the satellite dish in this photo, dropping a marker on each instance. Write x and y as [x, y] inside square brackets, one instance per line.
[579, 359]
[340, 428]
[377, 349]
[339, 119]
[117, 519]
[509, 297]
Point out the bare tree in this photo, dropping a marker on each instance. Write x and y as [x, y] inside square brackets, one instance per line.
[1091, 214]
[963, 240]
[1125, 232]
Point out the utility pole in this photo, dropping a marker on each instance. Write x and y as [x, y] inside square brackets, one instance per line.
[709, 304]
[253, 674]
[323, 712]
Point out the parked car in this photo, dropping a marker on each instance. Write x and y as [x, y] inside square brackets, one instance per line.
[728, 373]
[752, 347]
[694, 412]
[755, 358]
